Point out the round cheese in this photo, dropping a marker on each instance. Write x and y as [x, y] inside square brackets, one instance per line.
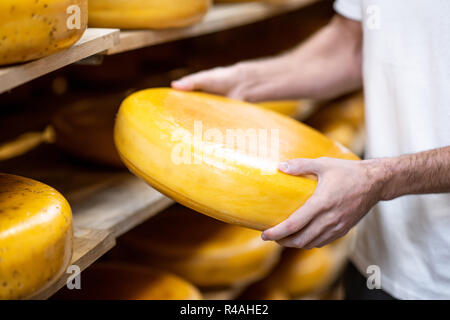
[119, 281]
[31, 29]
[140, 14]
[85, 129]
[35, 236]
[219, 156]
[207, 252]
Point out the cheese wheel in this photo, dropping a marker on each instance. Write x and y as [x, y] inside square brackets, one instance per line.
[31, 29]
[119, 281]
[142, 14]
[291, 108]
[35, 236]
[219, 156]
[207, 252]
[85, 129]
[342, 121]
[304, 271]
[300, 272]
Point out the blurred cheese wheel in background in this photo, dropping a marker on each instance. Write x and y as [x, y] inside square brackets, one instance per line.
[33, 29]
[219, 156]
[297, 109]
[304, 271]
[207, 252]
[343, 121]
[85, 129]
[35, 236]
[118, 281]
[143, 14]
[304, 274]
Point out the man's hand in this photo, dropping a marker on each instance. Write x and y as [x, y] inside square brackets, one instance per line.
[325, 66]
[345, 192]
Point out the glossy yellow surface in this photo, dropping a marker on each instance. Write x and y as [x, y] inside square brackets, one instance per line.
[118, 281]
[304, 271]
[143, 14]
[202, 250]
[35, 236]
[85, 129]
[291, 108]
[32, 29]
[228, 180]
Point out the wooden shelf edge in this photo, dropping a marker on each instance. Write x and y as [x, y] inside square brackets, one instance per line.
[220, 17]
[94, 41]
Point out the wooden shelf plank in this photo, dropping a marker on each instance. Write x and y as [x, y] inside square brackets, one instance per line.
[93, 41]
[220, 17]
[89, 245]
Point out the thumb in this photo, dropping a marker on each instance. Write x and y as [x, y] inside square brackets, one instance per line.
[298, 167]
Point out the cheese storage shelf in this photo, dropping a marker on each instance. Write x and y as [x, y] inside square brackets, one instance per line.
[105, 202]
[112, 41]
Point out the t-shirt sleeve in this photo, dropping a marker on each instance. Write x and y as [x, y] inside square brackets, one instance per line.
[351, 9]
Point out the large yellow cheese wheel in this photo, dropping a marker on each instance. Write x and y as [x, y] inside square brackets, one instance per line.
[119, 281]
[140, 14]
[35, 236]
[219, 156]
[207, 252]
[32, 29]
[85, 129]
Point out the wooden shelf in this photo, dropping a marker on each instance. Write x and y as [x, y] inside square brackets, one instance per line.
[112, 41]
[93, 41]
[105, 202]
[220, 17]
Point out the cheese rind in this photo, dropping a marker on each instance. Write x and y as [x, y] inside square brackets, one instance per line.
[35, 236]
[120, 281]
[143, 14]
[207, 252]
[33, 29]
[85, 129]
[219, 156]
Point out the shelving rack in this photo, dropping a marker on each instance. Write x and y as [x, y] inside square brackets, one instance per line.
[107, 203]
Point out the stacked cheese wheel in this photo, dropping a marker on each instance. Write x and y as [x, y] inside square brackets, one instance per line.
[302, 273]
[119, 281]
[85, 129]
[35, 236]
[207, 252]
[32, 29]
[141, 14]
[219, 156]
[343, 121]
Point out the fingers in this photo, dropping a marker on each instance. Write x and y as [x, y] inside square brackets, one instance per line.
[218, 80]
[296, 221]
[301, 166]
[191, 82]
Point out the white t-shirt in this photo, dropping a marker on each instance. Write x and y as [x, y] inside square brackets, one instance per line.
[406, 66]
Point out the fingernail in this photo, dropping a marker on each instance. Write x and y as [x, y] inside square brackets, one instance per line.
[283, 166]
[263, 236]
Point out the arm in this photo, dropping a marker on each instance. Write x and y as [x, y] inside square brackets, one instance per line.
[347, 190]
[325, 66]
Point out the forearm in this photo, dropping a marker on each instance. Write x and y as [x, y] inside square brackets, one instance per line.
[325, 66]
[418, 173]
